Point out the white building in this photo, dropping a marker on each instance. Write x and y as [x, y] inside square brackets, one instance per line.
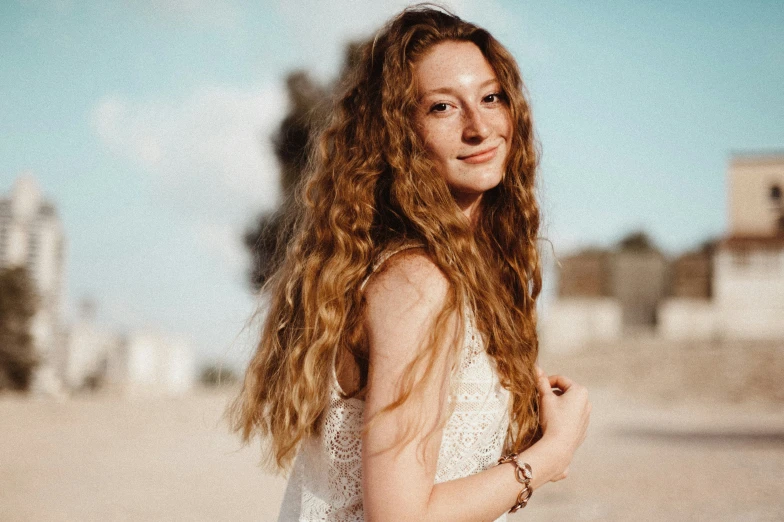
[733, 290]
[141, 363]
[152, 363]
[31, 235]
[747, 267]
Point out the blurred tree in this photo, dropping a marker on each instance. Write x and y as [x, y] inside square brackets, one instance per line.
[18, 304]
[709, 245]
[292, 148]
[293, 141]
[213, 375]
[637, 242]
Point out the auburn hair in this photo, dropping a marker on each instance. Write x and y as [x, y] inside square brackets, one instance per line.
[370, 186]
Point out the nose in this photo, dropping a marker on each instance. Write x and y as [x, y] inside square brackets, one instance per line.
[475, 126]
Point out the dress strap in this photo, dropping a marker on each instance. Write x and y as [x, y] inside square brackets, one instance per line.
[383, 257]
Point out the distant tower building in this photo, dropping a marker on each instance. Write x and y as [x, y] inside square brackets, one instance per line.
[749, 264]
[756, 196]
[31, 235]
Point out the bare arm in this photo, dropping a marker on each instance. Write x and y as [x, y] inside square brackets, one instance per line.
[398, 484]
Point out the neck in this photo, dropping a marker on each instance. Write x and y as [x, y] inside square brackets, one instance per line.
[470, 206]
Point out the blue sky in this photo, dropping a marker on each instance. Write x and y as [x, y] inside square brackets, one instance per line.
[147, 123]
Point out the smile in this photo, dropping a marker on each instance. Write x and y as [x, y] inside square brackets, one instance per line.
[480, 157]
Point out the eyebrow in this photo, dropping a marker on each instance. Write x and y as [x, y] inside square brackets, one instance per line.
[450, 90]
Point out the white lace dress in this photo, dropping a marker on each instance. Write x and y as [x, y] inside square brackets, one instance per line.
[326, 481]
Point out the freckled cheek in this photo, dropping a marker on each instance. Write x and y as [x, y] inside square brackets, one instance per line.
[505, 124]
[500, 122]
[438, 143]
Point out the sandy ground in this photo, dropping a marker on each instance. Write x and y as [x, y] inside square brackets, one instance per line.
[101, 458]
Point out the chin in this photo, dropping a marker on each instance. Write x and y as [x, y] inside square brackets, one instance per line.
[474, 190]
[487, 182]
[472, 182]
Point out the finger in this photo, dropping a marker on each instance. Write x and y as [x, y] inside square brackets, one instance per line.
[539, 371]
[560, 382]
[543, 385]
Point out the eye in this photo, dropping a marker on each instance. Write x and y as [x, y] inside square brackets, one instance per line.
[496, 97]
[439, 107]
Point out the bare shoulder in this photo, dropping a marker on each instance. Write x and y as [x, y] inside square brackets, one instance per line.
[407, 280]
[403, 299]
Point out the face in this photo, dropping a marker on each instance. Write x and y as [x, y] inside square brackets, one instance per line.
[463, 118]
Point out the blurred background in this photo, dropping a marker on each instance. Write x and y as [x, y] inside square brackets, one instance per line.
[147, 145]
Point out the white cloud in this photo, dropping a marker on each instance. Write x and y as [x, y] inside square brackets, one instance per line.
[215, 144]
[209, 156]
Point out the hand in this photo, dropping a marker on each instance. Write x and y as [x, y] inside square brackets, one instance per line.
[564, 412]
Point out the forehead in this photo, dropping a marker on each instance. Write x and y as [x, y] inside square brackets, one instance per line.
[452, 65]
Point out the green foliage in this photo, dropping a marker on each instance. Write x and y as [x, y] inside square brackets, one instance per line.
[213, 375]
[18, 304]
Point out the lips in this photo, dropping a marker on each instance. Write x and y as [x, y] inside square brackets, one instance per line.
[481, 156]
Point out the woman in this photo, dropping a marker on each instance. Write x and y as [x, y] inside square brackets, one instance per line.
[397, 360]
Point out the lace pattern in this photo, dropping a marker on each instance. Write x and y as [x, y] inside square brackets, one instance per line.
[325, 483]
[474, 435]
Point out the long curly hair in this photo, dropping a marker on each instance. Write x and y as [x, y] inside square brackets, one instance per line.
[371, 185]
